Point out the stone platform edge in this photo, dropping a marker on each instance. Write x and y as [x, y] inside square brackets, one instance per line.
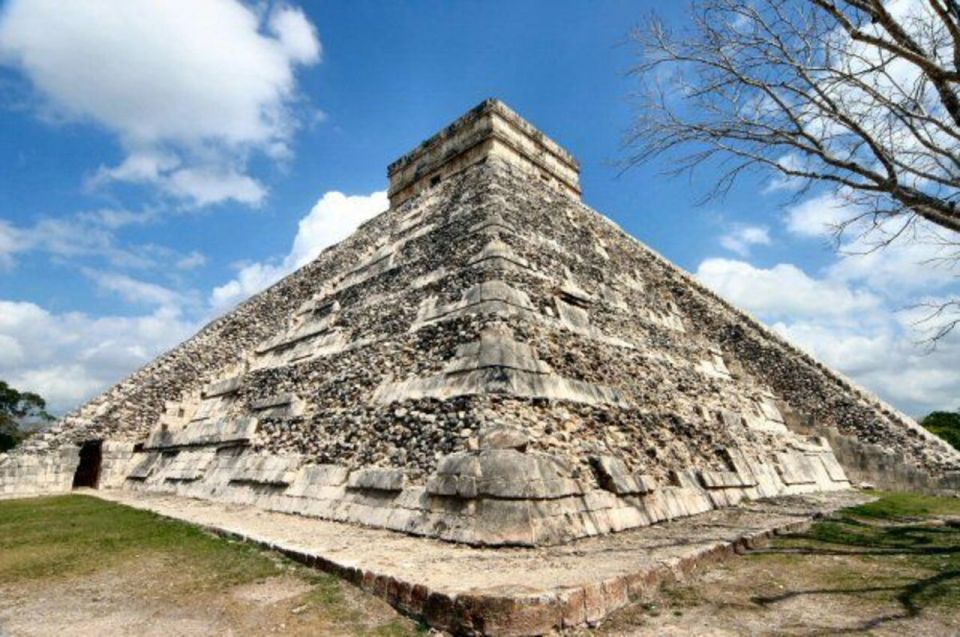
[522, 613]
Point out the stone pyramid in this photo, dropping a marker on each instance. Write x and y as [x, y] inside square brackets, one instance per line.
[488, 361]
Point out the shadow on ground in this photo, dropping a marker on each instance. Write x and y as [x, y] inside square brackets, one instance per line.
[889, 567]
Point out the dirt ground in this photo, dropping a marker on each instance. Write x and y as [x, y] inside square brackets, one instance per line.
[79, 566]
[136, 601]
[891, 568]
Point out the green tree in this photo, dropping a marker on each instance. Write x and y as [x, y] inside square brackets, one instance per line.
[18, 410]
[945, 424]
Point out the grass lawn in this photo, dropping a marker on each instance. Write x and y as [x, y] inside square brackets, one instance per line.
[78, 565]
[891, 567]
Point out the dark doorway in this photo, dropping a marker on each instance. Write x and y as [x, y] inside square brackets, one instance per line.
[88, 471]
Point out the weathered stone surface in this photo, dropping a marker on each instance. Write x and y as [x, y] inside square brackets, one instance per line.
[377, 479]
[504, 438]
[614, 476]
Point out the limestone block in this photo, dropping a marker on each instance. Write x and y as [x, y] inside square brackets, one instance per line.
[737, 461]
[573, 294]
[500, 253]
[646, 483]
[686, 478]
[188, 465]
[714, 367]
[205, 432]
[722, 480]
[833, 468]
[382, 261]
[731, 419]
[506, 473]
[489, 296]
[462, 464]
[768, 407]
[573, 317]
[144, 466]
[768, 479]
[614, 475]
[221, 387]
[311, 479]
[264, 469]
[496, 348]
[456, 475]
[504, 438]
[452, 485]
[612, 298]
[667, 317]
[504, 521]
[314, 326]
[493, 224]
[279, 406]
[499, 381]
[207, 408]
[795, 469]
[377, 479]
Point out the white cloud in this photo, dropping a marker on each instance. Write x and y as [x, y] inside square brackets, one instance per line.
[134, 290]
[85, 235]
[190, 88]
[297, 36]
[783, 290]
[250, 279]
[193, 260]
[115, 219]
[920, 259]
[886, 360]
[743, 237]
[901, 269]
[817, 216]
[849, 325]
[68, 358]
[331, 220]
[209, 185]
[10, 243]
[780, 182]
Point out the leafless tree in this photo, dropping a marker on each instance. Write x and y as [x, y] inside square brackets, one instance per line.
[858, 95]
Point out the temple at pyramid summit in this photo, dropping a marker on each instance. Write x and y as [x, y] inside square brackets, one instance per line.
[490, 362]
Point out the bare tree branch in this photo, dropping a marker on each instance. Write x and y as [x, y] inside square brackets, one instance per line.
[846, 93]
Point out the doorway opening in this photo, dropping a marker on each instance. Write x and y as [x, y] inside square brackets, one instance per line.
[88, 471]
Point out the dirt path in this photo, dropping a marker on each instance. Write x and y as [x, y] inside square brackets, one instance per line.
[873, 570]
[80, 567]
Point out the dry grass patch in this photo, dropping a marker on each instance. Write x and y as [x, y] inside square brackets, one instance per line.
[76, 565]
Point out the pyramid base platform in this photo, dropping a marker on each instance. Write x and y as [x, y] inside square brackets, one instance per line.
[503, 591]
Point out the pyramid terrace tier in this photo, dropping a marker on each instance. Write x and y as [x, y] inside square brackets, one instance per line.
[490, 362]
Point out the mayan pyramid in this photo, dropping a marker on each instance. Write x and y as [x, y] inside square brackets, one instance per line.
[488, 361]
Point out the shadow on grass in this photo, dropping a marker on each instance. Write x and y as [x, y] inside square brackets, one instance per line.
[922, 549]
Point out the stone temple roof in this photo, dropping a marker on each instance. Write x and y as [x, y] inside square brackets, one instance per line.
[488, 361]
[489, 129]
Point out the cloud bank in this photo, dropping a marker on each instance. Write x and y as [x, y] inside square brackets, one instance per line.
[191, 89]
[70, 357]
[859, 313]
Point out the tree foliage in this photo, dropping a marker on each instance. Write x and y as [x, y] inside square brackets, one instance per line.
[17, 410]
[945, 424]
[858, 96]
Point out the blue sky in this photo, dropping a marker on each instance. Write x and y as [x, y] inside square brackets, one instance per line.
[162, 160]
